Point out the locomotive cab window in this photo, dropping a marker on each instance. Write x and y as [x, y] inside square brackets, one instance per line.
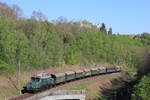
[35, 79]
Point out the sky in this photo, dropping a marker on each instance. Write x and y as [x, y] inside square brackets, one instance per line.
[124, 16]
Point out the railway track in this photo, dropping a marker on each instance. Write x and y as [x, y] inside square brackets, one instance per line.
[21, 97]
[27, 95]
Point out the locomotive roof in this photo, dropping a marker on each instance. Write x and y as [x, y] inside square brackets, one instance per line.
[49, 76]
[41, 75]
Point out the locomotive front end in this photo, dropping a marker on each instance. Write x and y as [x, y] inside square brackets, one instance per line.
[32, 86]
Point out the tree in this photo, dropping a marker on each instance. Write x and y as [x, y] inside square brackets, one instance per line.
[6, 11]
[39, 16]
[17, 11]
[144, 61]
[103, 28]
[141, 90]
[60, 19]
[110, 31]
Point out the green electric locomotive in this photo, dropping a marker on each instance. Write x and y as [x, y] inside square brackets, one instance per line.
[39, 82]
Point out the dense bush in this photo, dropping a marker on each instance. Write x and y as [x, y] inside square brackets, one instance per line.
[142, 90]
[94, 46]
[34, 47]
[7, 69]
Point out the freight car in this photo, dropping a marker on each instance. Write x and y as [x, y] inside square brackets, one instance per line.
[59, 78]
[44, 81]
[94, 71]
[87, 72]
[70, 75]
[102, 70]
[79, 74]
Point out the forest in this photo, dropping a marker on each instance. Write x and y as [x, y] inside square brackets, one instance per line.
[36, 43]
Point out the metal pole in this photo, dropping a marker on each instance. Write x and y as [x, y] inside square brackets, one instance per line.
[19, 84]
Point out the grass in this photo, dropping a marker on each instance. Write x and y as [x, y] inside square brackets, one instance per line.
[10, 91]
[6, 92]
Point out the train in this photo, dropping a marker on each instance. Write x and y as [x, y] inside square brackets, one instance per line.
[43, 81]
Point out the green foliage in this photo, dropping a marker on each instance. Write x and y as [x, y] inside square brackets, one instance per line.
[110, 31]
[39, 44]
[144, 37]
[13, 44]
[103, 28]
[97, 47]
[6, 69]
[35, 43]
[141, 91]
[30, 47]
